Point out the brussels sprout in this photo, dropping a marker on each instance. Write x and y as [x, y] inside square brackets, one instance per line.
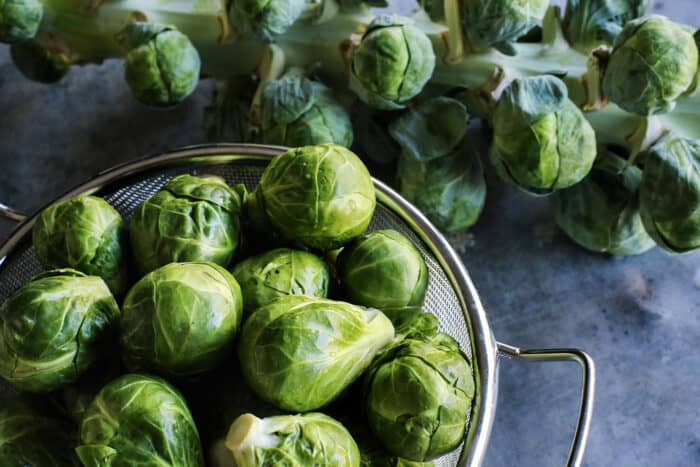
[19, 20]
[418, 393]
[83, 233]
[181, 319]
[377, 457]
[139, 420]
[320, 196]
[281, 272]
[499, 24]
[301, 352]
[52, 328]
[392, 63]
[299, 112]
[31, 439]
[190, 219]
[601, 213]
[384, 270]
[40, 63]
[542, 141]
[670, 193]
[292, 440]
[266, 18]
[592, 23]
[653, 62]
[161, 65]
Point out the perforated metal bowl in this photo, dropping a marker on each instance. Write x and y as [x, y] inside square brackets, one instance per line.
[451, 295]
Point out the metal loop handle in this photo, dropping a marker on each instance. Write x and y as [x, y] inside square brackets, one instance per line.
[10, 214]
[578, 446]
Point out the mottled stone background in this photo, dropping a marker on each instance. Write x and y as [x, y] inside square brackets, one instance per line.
[638, 317]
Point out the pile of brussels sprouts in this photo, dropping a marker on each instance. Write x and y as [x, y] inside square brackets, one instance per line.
[229, 328]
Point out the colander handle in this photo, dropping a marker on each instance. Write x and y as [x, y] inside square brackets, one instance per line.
[578, 446]
[10, 214]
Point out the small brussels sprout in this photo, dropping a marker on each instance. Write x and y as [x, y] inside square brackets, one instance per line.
[190, 219]
[84, 233]
[320, 196]
[40, 63]
[653, 62]
[161, 65]
[301, 352]
[392, 63]
[281, 272]
[418, 393]
[139, 420]
[292, 441]
[591, 23]
[181, 319]
[299, 112]
[52, 329]
[499, 24]
[542, 141]
[601, 213]
[19, 20]
[377, 457]
[265, 19]
[384, 270]
[670, 193]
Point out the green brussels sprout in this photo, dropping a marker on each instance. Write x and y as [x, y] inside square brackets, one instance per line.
[392, 63]
[278, 273]
[377, 457]
[161, 65]
[301, 352]
[542, 141]
[653, 62]
[311, 439]
[52, 329]
[299, 112]
[418, 393]
[320, 196]
[499, 24]
[181, 319]
[40, 63]
[384, 270]
[591, 23]
[601, 213]
[265, 19]
[83, 233]
[669, 194]
[139, 420]
[19, 20]
[190, 219]
[29, 438]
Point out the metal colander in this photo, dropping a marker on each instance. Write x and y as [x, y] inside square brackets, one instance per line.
[451, 296]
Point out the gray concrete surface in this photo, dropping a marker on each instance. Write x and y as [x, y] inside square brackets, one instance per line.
[638, 317]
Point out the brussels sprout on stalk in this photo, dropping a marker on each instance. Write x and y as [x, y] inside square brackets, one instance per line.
[291, 440]
[601, 213]
[181, 319]
[139, 420]
[592, 23]
[161, 64]
[392, 63]
[53, 328]
[19, 20]
[84, 233]
[265, 18]
[653, 62]
[300, 352]
[40, 63]
[542, 141]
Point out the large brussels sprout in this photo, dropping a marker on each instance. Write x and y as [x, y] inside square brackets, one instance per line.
[392, 63]
[181, 319]
[297, 111]
[301, 352]
[265, 18]
[53, 328]
[601, 213]
[653, 62]
[139, 420]
[384, 270]
[670, 193]
[190, 219]
[311, 439]
[161, 65]
[418, 393]
[19, 20]
[40, 63]
[86, 234]
[281, 272]
[542, 141]
[590, 23]
[498, 24]
[320, 196]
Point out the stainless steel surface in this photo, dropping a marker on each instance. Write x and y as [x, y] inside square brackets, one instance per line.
[10, 214]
